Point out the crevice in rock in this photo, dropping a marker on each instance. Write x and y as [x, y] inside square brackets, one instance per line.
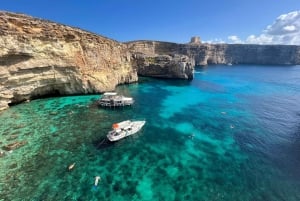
[11, 58]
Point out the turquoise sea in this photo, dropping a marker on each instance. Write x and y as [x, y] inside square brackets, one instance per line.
[232, 133]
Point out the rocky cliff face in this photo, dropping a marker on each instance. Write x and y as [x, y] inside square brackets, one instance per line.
[205, 54]
[39, 58]
[161, 59]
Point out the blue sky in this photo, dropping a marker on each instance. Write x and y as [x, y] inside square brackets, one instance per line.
[231, 21]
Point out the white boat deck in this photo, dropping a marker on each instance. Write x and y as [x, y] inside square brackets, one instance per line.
[124, 129]
[112, 99]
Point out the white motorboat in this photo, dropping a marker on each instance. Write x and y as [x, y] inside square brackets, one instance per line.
[112, 99]
[124, 129]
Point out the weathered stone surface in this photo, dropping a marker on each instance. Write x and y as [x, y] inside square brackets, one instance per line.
[165, 66]
[161, 59]
[205, 54]
[39, 57]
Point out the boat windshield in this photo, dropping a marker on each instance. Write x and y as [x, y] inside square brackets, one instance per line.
[116, 133]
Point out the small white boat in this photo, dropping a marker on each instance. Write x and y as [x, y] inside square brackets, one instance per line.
[112, 99]
[124, 129]
[229, 63]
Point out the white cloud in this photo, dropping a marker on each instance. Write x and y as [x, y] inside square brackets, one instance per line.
[290, 28]
[216, 40]
[284, 30]
[262, 39]
[285, 24]
[234, 39]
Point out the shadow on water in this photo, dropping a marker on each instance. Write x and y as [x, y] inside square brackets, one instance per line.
[164, 81]
[286, 155]
[103, 143]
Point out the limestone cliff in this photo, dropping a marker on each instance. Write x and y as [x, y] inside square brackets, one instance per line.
[205, 54]
[39, 57]
[161, 59]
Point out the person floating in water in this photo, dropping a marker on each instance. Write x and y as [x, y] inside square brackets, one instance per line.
[71, 167]
[97, 179]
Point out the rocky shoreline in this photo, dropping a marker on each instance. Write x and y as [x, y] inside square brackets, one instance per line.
[41, 58]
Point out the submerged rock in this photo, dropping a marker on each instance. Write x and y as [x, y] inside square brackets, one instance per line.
[12, 137]
[14, 145]
[13, 166]
[2, 153]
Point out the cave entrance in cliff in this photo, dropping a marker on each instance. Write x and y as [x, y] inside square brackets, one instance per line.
[48, 94]
[36, 95]
[210, 61]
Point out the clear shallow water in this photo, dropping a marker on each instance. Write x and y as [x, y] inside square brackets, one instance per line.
[245, 123]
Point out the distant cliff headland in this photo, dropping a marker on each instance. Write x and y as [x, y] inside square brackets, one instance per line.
[205, 54]
[39, 57]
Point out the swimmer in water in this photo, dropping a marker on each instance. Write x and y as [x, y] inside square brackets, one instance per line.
[97, 179]
[71, 166]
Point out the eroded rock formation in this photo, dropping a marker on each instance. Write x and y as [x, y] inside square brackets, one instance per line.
[205, 54]
[161, 59]
[39, 57]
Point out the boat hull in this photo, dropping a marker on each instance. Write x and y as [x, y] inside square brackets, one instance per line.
[114, 100]
[125, 129]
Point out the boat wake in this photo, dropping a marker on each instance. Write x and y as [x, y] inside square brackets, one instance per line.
[199, 72]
